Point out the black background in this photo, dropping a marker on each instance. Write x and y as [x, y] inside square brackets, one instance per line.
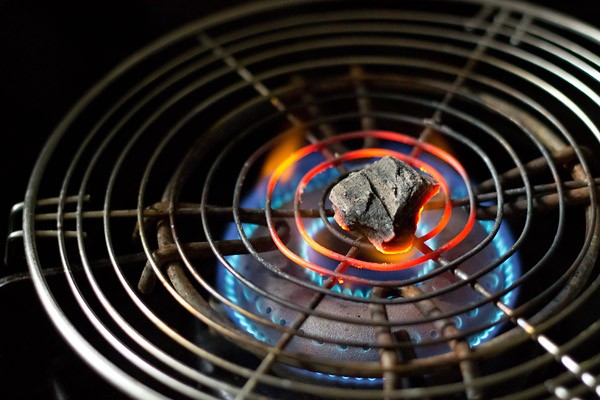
[50, 53]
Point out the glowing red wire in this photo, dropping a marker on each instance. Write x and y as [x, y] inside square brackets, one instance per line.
[365, 153]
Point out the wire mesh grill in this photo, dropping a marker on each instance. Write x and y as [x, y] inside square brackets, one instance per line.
[164, 144]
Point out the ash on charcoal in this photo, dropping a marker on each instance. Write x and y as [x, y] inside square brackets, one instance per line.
[382, 201]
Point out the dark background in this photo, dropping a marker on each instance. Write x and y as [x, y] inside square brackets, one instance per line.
[50, 53]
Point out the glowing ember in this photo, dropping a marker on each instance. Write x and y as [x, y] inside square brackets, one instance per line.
[383, 201]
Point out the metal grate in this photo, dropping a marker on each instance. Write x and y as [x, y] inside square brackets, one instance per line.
[167, 143]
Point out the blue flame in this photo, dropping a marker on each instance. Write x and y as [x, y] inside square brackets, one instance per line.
[509, 269]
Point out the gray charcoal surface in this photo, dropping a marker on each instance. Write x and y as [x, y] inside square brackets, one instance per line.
[382, 200]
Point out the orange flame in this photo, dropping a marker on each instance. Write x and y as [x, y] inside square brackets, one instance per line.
[438, 140]
[289, 141]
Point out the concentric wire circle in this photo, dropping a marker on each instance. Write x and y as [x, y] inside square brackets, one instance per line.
[169, 145]
[363, 153]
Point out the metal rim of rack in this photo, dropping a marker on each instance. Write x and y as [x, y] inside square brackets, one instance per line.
[228, 52]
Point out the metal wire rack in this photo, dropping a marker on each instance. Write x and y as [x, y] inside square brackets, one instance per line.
[166, 145]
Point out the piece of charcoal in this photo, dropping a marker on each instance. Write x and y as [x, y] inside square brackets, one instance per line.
[382, 201]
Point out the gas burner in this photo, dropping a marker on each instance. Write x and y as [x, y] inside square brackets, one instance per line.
[269, 291]
[218, 146]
